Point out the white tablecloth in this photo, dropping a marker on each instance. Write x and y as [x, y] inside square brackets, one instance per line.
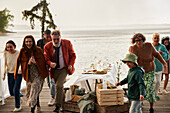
[76, 79]
[81, 78]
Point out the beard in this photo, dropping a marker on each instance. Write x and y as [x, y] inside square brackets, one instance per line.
[57, 45]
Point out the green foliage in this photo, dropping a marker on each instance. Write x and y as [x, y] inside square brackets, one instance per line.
[42, 9]
[119, 64]
[5, 18]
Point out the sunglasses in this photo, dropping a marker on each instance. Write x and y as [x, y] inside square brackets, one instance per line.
[56, 39]
[55, 33]
[156, 38]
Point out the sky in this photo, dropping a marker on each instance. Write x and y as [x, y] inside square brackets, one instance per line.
[96, 12]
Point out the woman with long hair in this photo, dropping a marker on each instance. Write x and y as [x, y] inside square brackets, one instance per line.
[10, 59]
[166, 71]
[32, 61]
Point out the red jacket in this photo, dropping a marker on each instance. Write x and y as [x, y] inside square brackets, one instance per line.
[68, 54]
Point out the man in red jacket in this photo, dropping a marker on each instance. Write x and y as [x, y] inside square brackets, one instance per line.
[60, 56]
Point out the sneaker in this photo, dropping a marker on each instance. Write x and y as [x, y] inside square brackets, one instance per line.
[17, 109]
[61, 109]
[165, 92]
[151, 110]
[51, 102]
[159, 92]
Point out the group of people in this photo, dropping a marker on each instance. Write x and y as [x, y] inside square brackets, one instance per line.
[147, 62]
[55, 57]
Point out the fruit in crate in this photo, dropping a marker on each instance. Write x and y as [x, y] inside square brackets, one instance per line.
[111, 87]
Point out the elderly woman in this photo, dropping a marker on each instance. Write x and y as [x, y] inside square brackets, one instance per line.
[34, 70]
[166, 71]
[146, 54]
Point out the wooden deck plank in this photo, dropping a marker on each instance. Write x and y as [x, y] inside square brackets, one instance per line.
[161, 106]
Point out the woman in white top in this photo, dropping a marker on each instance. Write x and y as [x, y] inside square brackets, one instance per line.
[10, 59]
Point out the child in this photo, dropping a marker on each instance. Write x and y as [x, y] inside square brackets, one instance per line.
[136, 87]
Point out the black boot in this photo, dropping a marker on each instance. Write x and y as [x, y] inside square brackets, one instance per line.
[33, 109]
[57, 109]
[151, 110]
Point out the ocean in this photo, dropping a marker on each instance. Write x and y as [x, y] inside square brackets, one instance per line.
[92, 44]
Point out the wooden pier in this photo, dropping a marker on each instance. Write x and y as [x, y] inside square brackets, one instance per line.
[162, 106]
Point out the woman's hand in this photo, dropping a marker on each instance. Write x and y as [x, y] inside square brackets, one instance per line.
[160, 52]
[165, 65]
[4, 76]
[32, 60]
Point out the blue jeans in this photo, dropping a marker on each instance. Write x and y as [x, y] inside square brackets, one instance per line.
[51, 84]
[135, 107]
[53, 88]
[14, 87]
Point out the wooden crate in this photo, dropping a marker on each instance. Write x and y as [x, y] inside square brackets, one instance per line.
[75, 98]
[70, 106]
[110, 96]
[112, 109]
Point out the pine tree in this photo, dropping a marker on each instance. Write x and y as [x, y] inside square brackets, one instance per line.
[5, 18]
[42, 9]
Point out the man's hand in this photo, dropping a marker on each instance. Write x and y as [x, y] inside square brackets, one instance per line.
[52, 64]
[141, 97]
[70, 67]
[117, 83]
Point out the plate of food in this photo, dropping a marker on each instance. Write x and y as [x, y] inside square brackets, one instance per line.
[89, 71]
[101, 72]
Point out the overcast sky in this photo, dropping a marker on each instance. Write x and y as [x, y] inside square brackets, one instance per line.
[96, 12]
